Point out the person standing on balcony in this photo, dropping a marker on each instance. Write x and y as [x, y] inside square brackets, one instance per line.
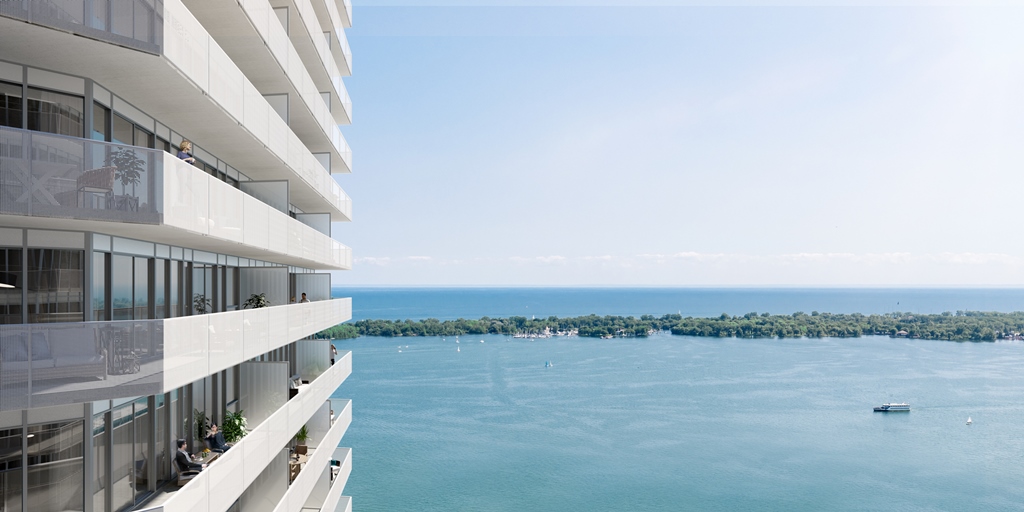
[185, 152]
[334, 353]
[304, 299]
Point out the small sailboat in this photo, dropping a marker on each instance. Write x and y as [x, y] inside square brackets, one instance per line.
[969, 420]
[457, 349]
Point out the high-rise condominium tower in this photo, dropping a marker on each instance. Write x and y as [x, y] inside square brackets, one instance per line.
[166, 199]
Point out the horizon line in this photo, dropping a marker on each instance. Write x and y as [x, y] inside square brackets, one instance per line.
[698, 287]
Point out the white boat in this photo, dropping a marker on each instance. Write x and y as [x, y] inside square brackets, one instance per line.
[904, 407]
[969, 420]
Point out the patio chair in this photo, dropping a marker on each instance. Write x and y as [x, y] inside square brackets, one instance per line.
[184, 476]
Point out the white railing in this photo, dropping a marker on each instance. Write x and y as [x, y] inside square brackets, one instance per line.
[197, 202]
[191, 49]
[200, 345]
[334, 74]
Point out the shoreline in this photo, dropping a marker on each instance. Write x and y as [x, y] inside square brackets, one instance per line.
[947, 326]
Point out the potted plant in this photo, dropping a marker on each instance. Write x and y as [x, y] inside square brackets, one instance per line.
[202, 424]
[233, 426]
[201, 304]
[129, 172]
[256, 301]
[300, 440]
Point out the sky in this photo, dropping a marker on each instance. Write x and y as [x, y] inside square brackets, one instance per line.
[517, 143]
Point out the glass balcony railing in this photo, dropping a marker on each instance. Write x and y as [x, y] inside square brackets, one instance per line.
[136, 24]
[66, 177]
[51, 364]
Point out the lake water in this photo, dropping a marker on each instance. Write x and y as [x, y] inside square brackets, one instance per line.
[452, 303]
[677, 423]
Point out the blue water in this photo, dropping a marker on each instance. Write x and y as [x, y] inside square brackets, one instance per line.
[452, 303]
[677, 423]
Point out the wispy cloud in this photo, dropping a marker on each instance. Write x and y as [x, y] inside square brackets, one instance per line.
[959, 258]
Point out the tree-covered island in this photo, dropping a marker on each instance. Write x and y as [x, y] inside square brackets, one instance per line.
[959, 326]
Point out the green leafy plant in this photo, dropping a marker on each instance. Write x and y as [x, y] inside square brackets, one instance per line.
[300, 440]
[202, 425]
[129, 167]
[233, 426]
[201, 304]
[302, 435]
[256, 301]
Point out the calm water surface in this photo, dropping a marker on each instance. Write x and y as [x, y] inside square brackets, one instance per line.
[452, 303]
[677, 423]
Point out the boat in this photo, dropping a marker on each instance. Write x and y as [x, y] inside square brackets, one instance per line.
[893, 408]
[969, 420]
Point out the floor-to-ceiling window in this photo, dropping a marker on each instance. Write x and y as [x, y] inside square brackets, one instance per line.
[10, 105]
[175, 285]
[55, 467]
[55, 112]
[10, 470]
[54, 285]
[10, 298]
[202, 289]
[129, 287]
[143, 432]
[122, 456]
[100, 458]
[100, 263]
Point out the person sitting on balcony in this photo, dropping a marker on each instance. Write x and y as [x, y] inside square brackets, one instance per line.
[216, 440]
[185, 152]
[184, 459]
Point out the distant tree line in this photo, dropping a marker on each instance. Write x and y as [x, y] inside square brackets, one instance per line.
[959, 326]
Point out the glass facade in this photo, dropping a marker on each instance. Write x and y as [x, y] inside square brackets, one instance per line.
[100, 450]
[54, 285]
[10, 105]
[10, 298]
[100, 290]
[10, 470]
[55, 467]
[130, 287]
[100, 122]
[55, 112]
